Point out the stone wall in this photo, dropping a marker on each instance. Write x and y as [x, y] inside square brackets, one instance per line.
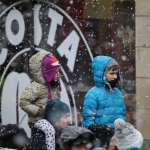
[142, 26]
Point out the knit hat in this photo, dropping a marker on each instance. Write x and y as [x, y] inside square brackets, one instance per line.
[111, 63]
[103, 133]
[126, 135]
[13, 136]
[50, 66]
[55, 109]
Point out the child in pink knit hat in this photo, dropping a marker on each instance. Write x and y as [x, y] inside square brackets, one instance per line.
[50, 72]
[44, 68]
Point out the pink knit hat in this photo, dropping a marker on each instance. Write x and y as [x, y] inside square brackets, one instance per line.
[50, 66]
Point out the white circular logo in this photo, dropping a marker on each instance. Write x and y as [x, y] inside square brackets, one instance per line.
[53, 30]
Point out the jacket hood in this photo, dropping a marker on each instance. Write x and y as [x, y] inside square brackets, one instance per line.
[99, 65]
[71, 133]
[35, 65]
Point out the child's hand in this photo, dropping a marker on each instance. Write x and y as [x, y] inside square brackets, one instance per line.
[41, 112]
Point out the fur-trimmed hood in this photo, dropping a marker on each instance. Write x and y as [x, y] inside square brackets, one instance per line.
[35, 65]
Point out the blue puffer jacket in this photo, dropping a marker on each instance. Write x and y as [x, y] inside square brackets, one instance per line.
[102, 106]
[133, 148]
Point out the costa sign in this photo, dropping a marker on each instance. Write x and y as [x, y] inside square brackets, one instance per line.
[65, 46]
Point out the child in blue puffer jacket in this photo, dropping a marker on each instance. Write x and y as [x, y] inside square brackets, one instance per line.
[104, 103]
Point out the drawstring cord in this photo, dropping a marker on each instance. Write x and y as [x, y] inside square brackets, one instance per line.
[49, 91]
[111, 90]
[110, 87]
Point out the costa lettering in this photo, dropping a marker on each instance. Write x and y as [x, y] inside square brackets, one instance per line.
[66, 47]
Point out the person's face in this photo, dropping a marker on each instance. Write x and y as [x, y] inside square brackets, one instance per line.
[57, 76]
[111, 75]
[79, 147]
[64, 121]
[112, 144]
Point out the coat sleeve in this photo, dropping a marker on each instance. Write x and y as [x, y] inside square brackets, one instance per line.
[89, 109]
[27, 100]
[125, 111]
[49, 131]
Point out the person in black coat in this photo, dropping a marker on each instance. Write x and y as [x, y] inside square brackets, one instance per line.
[13, 136]
[105, 134]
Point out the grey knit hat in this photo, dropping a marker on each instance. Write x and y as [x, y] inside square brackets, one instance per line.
[111, 63]
[126, 135]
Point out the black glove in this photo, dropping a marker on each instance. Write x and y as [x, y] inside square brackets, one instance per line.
[41, 112]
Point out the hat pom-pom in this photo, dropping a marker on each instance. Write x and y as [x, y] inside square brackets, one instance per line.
[119, 123]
